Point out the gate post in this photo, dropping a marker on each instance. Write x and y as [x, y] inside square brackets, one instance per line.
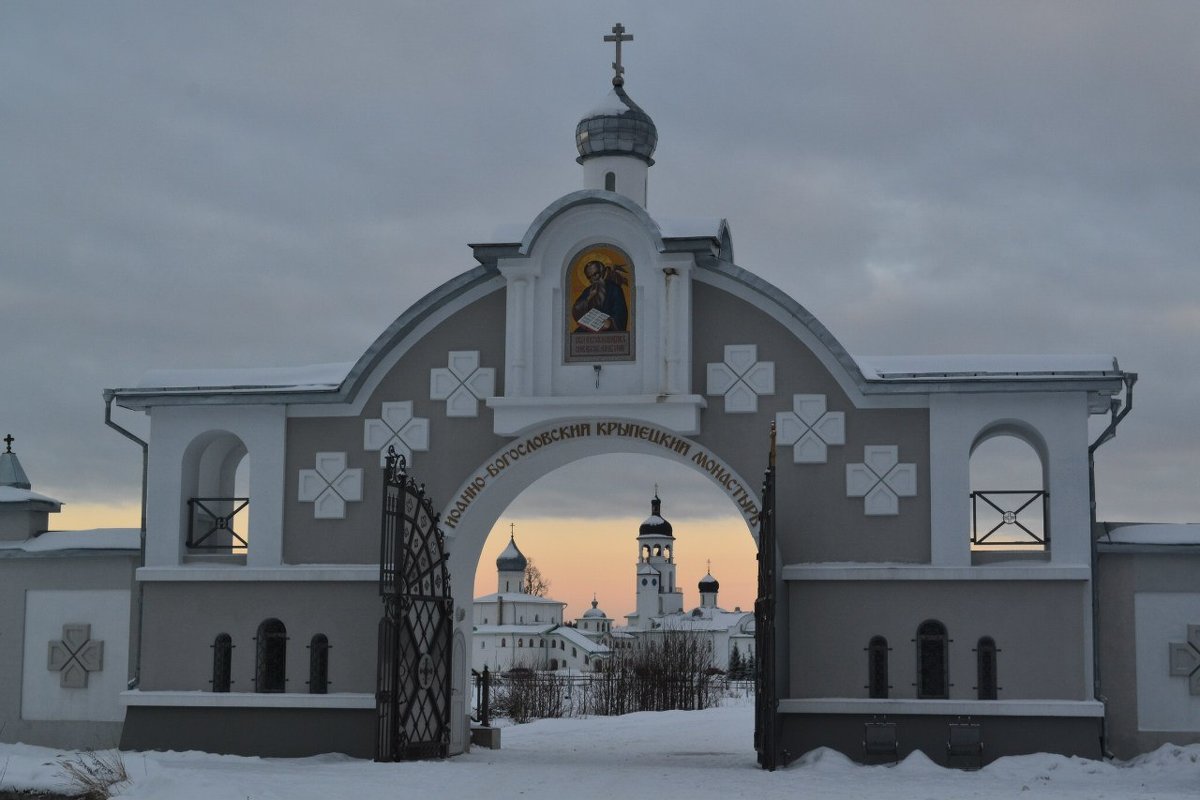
[766, 700]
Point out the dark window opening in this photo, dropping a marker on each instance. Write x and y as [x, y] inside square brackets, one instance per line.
[933, 678]
[877, 668]
[270, 672]
[610, 181]
[318, 665]
[222, 663]
[985, 665]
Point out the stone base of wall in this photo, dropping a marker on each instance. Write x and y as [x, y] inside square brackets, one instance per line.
[1001, 736]
[272, 732]
[67, 735]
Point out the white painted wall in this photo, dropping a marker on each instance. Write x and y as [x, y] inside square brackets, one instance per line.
[46, 611]
[1163, 702]
[172, 429]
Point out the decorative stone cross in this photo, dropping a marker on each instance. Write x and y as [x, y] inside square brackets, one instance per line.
[1185, 659]
[618, 36]
[75, 656]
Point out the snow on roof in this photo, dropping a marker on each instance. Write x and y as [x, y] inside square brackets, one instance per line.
[1155, 533]
[94, 539]
[517, 630]
[580, 640]
[311, 377]
[690, 227]
[11, 494]
[940, 367]
[517, 597]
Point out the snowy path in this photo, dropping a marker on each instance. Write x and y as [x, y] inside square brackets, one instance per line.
[693, 755]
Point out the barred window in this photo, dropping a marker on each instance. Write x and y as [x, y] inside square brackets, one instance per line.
[985, 665]
[270, 672]
[318, 664]
[222, 662]
[877, 668]
[933, 676]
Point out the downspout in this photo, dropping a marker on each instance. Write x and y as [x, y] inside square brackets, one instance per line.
[138, 612]
[1109, 432]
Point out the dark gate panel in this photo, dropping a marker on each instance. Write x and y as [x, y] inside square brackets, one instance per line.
[766, 701]
[414, 658]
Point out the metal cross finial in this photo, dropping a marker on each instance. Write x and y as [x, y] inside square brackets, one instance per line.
[618, 36]
[512, 530]
[708, 565]
[8, 440]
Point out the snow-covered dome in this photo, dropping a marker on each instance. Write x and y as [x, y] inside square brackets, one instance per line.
[617, 126]
[709, 584]
[655, 525]
[594, 612]
[511, 560]
[11, 473]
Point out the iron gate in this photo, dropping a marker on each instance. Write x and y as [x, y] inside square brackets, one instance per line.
[766, 703]
[412, 694]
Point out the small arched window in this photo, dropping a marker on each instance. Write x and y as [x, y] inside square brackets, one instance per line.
[658, 549]
[270, 671]
[504, 643]
[610, 181]
[318, 664]
[985, 667]
[933, 674]
[222, 662]
[877, 668]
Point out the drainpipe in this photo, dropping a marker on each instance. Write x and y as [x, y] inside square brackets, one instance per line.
[138, 613]
[1109, 432]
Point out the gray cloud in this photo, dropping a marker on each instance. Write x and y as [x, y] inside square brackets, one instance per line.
[273, 183]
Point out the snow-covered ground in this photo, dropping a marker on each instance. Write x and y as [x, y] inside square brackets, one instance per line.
[664, 755]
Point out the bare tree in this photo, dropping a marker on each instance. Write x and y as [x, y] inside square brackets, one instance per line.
[535, 583]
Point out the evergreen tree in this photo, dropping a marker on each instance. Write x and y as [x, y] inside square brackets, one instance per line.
[736, 667]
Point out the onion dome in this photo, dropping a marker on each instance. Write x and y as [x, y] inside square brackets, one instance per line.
[709, 584]
[594, 612]
[617, 126]
[11, 473]
[511, 560]
[655, 525]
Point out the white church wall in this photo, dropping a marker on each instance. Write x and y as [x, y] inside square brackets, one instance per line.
[1060, 419]
[1165, 701]
[174, 429]
[96, 696]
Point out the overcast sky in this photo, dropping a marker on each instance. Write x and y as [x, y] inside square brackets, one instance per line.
[257, 184]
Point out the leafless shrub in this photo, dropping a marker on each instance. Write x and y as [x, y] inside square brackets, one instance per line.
[92, 776]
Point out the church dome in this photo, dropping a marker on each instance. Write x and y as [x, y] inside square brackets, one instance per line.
[594, 612]
[511, 560]
[709, 584]
[11, 473]
[655, 525]
[616, 127]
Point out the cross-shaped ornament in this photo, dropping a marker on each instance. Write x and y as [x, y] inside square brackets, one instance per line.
[618, 36]
[8, 440]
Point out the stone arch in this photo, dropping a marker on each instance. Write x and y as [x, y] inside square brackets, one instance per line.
[1008, 466]
[209, 471]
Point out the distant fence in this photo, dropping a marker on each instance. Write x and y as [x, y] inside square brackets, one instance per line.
[539, 695]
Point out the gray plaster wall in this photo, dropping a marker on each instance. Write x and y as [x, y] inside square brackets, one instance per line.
[1120, 577]
[1037, 625]
[457, 445]
[817, 521]
[1002, 736]
[267, 732]
[75, 570]
[182, 619]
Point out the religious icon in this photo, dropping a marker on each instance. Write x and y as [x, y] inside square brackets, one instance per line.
[599, 296]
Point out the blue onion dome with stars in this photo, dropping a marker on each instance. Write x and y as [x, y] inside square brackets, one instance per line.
[617, 126]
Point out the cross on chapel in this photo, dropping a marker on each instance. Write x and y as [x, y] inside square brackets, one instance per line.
[8, 440]
[618, 35]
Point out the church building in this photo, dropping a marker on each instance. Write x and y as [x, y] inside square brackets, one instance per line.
[903, 606]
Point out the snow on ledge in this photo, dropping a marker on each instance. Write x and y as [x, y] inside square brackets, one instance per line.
[12, 494]
[941, 367]
[1160, 533]
[311, 377]
[94, 539]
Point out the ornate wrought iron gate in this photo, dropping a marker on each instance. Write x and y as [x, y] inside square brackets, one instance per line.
[766, 703]
[412, 694]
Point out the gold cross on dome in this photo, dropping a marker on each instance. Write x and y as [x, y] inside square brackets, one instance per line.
[618, 36]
